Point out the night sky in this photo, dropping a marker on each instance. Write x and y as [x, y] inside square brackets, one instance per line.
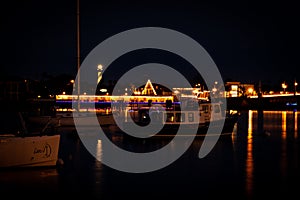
[247, 41]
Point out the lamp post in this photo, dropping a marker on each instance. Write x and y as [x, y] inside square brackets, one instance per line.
[284, 86]
[72, 83]
[99, 73]
[295, 87]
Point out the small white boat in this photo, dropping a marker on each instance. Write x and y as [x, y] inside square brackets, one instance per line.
[20, 148]
[29, 151]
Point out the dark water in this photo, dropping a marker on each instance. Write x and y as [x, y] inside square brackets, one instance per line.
[260, 160]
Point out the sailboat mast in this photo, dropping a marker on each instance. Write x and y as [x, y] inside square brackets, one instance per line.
[78, 54]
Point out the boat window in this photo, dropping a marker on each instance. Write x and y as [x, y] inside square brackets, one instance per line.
[217, 109]
[191, 117]
[156, 117]
[180, 117]
[169, 117]
[205, 108]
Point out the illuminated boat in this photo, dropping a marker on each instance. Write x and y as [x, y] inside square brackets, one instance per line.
[209, 115]
[20, 147]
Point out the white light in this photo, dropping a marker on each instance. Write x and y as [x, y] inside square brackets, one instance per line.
[100, 67]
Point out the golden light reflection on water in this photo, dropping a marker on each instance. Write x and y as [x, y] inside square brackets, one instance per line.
[296, 147]
[99, 153]
[283, 159]
[249, 159]
[295, 124]
[283, 125]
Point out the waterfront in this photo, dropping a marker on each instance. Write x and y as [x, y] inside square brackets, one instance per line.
[261, 159]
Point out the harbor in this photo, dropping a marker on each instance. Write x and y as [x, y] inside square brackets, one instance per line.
[260, 160]
[257, 153]
[168, 100]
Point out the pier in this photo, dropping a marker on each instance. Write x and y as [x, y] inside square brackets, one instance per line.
[276, 102]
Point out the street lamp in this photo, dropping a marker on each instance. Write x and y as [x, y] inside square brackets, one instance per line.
[295, 87]
[284, 86]
[72, 82]
[99, 74]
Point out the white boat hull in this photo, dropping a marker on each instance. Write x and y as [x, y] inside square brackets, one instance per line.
[29, 151]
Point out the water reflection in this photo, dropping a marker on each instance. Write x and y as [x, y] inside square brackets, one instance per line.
[248, 165]
[98, 153]
[283, 125]
[249, 159]
[260, 122]
[295, 119]
[283, 159]
[295, 144]
[271, 150]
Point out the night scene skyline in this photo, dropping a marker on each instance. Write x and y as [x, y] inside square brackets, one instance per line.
[249, 42]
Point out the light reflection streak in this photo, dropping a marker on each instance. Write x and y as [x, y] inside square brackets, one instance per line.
[234, 135]
[283, 125]
[296, 157]
[283, 160]
[295, 124]
[99, 153]
[249, 159]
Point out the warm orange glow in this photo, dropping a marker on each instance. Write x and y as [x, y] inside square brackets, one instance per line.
[114, 98]
[283, 124]
[250, 116]
[283, 85]
[281, 94]
[295, 124]
[234, 87]
[250, 90]
[283, 160]
[109, 98]
[148, 88]
[249, 159]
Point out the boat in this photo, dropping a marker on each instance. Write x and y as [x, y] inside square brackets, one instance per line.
[21, 146]
[207, 115]
[169, 112]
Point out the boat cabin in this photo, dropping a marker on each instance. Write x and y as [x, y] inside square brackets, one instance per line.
[207, 112]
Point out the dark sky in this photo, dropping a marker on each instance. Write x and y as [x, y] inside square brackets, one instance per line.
[248, 41]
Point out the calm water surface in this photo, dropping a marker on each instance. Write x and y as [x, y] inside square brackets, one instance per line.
[260, 160]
